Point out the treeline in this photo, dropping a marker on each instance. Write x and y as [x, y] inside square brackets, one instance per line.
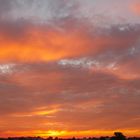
[117, 136]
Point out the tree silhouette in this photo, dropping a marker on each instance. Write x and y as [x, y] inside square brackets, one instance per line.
[118, 136]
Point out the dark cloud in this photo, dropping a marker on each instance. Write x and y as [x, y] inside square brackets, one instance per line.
[5, 6]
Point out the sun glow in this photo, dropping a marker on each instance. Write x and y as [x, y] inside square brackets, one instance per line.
[68, 134]
[84, 133]
[56, 133]
[46, 112]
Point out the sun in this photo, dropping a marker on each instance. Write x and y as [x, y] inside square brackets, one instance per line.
[55, 133]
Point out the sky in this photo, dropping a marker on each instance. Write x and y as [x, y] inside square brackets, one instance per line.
[69, 67]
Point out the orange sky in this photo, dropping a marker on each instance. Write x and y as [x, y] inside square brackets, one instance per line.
[136, 8]
[69, 68]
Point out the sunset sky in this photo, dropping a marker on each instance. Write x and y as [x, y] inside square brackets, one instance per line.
[69, 67]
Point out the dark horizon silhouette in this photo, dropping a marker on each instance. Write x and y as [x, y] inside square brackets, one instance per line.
[117, 136]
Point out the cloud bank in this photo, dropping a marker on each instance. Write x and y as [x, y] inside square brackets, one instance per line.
[69, 67]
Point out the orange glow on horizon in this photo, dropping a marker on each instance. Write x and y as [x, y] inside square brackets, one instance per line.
[68, 134]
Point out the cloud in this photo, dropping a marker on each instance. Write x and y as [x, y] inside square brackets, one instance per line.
[60, 37]
[42, 11]
[5, 6]
[45, 87]
[136, 8]
[62, 72]
[18, 42]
